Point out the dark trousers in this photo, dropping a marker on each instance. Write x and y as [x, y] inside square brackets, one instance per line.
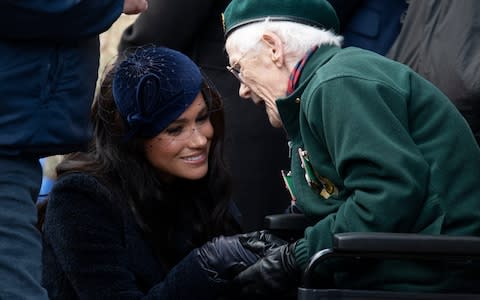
[20, 241]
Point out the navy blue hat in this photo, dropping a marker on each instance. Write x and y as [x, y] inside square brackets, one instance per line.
[152, 87]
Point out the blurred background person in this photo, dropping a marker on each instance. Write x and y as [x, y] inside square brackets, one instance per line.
[440, 39]
[370, 24]
[49, 65]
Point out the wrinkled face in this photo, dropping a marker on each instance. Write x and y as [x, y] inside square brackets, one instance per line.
[181, 150]
[260, 79]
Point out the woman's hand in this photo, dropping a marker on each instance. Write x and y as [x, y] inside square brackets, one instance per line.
[132, 7]
[224, 257]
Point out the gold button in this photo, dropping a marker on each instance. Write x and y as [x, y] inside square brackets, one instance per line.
[297, 100]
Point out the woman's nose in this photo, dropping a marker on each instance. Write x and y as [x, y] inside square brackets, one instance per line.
[197, 138]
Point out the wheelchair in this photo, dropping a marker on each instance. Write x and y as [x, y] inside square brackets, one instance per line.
[462, 250]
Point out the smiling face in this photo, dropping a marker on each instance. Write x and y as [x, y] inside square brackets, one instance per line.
[263, 75]
[181, 150]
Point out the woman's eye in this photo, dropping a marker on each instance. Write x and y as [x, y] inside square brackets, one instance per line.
[177, 130]
[203, 118]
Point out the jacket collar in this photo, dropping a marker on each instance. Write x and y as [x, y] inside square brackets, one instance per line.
[289, 107]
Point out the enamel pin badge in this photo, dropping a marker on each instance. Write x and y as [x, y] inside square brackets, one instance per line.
[322, 185]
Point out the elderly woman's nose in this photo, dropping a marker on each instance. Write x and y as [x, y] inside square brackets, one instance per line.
[244, 91]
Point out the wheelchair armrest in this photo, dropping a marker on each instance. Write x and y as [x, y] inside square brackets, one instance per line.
[395, 245]
[287, 226]
[286, 222]
[406, 243]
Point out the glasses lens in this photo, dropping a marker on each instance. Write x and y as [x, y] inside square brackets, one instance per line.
[235, 73]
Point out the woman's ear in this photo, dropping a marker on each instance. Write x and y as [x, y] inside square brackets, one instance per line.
[275, 47]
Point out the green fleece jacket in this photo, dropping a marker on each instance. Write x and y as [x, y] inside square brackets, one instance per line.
[389, 153]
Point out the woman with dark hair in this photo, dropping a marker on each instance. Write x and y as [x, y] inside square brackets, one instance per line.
[145, 213]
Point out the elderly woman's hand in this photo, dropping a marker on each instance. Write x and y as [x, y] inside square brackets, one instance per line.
[225, 257]
[275, 273]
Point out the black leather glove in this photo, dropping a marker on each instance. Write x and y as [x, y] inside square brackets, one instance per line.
[224, 257]
[260, 242]
[277, 272]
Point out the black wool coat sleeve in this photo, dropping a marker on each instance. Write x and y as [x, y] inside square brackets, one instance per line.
[93, 249]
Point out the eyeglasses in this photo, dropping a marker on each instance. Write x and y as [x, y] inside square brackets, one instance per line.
[235, 70]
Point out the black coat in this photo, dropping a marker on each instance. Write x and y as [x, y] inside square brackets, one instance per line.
[93, 249]
[256, 152]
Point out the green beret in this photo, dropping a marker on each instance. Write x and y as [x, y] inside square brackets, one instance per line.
[316, 13]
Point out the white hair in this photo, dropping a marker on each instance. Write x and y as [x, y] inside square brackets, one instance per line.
[297, 38]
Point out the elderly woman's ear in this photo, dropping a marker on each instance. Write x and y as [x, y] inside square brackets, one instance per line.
[275, 45]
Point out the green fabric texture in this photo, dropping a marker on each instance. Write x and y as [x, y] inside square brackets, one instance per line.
[317, 13]
[382, 135]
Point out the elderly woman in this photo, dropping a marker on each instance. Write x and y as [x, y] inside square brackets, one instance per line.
[374, 146]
